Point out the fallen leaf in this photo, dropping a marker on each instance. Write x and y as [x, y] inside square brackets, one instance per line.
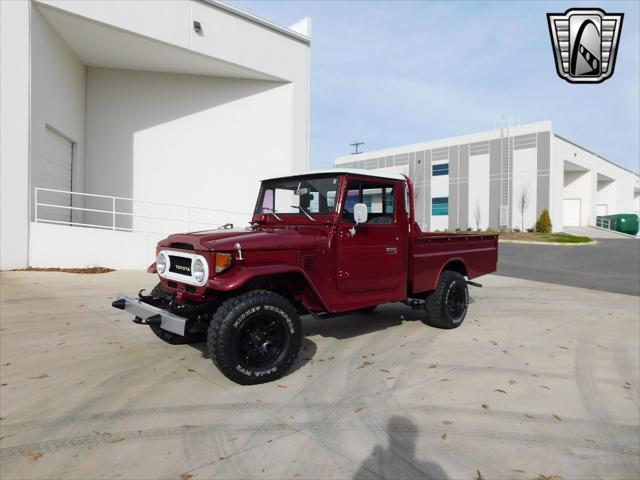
[9, 363]
[42, 375]
[33, 456]
[186, 476]
[479, 475]
[563, 347]
[590, 440]
[530, 417]
[115, 439]
[519, 471]
[191, 369]
[331, 357]
[548, 477]
[485, 406]
[446, 423]
[493, 342]
[443, 436]
[499, 390]
[358, 409]
[557, 417]
[365, 364]
[390, 378]
[544, 386]
[281, 386]
[433, 365]
[384, 370]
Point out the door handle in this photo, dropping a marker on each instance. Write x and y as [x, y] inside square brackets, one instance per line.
[392, 250]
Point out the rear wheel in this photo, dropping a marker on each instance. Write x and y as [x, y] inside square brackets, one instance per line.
[447, 305]
[255, 337]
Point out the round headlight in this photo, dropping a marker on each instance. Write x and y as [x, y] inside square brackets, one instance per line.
[198, 270]
[161, 262]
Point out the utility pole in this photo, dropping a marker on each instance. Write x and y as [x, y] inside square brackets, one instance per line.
[356, 145]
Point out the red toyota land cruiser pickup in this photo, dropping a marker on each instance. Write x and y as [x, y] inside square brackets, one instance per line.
[320, 243]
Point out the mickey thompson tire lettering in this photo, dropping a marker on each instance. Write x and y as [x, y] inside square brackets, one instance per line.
[228, 329]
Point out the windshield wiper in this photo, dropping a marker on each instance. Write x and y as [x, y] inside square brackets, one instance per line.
[304, 211]
[272, 211]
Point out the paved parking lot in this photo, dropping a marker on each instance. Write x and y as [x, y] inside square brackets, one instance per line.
[612, 265]
[540, 380]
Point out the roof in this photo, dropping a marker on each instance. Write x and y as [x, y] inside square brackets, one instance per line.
[350, 171]
[233, 10]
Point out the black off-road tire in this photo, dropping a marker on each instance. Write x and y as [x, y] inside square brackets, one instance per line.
[170, 337]
[228, 334]
[447, 305]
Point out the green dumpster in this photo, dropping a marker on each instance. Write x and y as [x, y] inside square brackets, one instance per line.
[628, 223]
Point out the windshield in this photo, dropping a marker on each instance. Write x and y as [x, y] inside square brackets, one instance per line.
[311, 196]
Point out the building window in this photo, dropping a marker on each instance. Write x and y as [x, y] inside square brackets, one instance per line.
[440, 169]
[440, 206]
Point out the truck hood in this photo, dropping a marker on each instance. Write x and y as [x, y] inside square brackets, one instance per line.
[261, 239]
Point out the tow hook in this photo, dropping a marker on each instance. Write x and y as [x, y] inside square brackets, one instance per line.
[474, 284]
[144, 298]
[153, 320]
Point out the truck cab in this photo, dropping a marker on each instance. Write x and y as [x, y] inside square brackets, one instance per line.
[322, 243]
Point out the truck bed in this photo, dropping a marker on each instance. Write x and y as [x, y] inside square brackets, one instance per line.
[476, 253]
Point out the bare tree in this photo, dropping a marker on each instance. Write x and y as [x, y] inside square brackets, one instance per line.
[477, 215]
[523, 201]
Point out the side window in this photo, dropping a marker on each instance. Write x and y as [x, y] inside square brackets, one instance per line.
[378, 197]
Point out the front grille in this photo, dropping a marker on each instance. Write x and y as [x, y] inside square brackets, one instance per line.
[180, 265]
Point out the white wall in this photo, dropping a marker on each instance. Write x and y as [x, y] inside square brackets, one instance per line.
[621, 194]
[77, 247]
[186, 139]
[14, 134]
[524, 171]
[479, 190]
[57, 100]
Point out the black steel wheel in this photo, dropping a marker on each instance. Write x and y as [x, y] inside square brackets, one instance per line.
[447, 305]
[254, 337]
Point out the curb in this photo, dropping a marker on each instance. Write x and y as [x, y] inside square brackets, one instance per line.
[564, 244]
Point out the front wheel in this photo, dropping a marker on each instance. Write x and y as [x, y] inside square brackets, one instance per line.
[254, 337]
[447, 305]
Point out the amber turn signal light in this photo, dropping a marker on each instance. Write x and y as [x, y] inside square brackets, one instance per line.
[223, 261]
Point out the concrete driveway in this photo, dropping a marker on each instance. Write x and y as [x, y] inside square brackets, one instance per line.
[540, 380]
[611, 265]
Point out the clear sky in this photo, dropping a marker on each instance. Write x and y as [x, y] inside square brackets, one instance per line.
[393, 73]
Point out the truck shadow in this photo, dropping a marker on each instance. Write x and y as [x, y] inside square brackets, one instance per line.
[399, 460]
[355, 324]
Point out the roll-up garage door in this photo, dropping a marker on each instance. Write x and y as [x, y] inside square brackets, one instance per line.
[57, 175]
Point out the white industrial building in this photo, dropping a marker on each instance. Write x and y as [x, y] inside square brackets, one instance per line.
[478, 180]
[145, 117]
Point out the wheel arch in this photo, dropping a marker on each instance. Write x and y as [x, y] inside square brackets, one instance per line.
[291, 282]
[455, 265]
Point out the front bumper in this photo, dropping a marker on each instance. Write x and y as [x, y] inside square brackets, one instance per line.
[150, 315]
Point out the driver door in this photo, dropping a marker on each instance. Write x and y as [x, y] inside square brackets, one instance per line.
[372, 259]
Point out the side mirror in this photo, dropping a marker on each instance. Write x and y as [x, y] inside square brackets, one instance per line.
[360, 215]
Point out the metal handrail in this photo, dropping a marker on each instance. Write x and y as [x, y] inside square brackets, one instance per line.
[114, 213]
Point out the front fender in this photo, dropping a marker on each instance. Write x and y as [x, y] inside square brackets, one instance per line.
[239, 276]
